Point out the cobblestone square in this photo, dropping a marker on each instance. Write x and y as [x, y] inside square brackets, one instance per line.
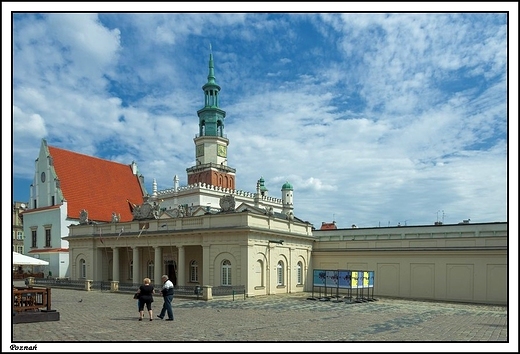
[278, 321]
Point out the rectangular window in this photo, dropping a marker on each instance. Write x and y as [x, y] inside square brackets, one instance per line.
[47, 238]
[226, 276]
[280, 275]
[193, 272]
[33, 235]
[20, 249]
[19, 235]
[83, 269]
[193, 276]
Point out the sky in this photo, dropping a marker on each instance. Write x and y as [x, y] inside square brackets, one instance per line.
[376, 119]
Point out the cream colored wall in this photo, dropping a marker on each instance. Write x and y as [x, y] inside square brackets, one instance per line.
[466, 263]
[448, 276]
[452, 263]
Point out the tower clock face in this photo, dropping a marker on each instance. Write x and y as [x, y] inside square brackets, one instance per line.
[222, 150]
[200, 150]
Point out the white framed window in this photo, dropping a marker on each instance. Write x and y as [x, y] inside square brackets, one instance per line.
[82, 269]
[20, 249]
[19, 235]
[47, 237]
[150, 269]
[194, 271]
[259, 272]
[226, 272]
[299, 278]
[279, 273]
[33, 238]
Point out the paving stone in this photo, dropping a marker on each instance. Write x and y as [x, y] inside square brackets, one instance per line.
[97, 316]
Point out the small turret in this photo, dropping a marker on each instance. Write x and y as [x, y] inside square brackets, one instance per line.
[287, 198]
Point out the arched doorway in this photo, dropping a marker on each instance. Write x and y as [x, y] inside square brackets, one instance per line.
[171, 271]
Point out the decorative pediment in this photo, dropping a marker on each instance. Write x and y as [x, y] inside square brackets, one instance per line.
[227, 203]
[146, 211]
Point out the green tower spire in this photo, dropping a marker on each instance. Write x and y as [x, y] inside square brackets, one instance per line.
[211, 75]
[211, 117]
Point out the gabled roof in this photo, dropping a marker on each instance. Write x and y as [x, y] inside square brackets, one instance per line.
[99, 186]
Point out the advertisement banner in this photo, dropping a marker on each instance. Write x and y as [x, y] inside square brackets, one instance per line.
[345, 279]
[354, 279]
[360, 276]
[331, 279]
[319, 277]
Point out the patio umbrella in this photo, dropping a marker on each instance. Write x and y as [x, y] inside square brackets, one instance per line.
[23, 260]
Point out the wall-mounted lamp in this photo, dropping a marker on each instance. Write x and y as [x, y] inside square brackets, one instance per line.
[280, 242]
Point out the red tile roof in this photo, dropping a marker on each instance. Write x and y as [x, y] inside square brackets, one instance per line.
[328, 226]
[49, 250]
[99, 186]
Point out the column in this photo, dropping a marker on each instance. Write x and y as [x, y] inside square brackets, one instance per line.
[247, 266]
[181, 267]
[290, 270]
[308, 276]
[158, 265]
[268, 271]
[136, 277]
[96, 273]
[205, 266]
[115, 263]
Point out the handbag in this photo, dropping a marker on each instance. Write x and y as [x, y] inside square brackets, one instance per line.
[136, 295]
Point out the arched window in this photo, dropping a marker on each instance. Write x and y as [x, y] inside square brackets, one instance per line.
[82, 269]
[150, 270]
[279, 273]
[194, 270]
[226, 272]
[259, 273]
[299, 278]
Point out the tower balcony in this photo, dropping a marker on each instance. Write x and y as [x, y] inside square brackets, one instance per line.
[211, 165]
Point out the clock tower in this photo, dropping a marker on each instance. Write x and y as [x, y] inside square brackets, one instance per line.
[211, 143]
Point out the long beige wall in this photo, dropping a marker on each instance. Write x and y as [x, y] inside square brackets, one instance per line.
[461, 263]
[448, 276]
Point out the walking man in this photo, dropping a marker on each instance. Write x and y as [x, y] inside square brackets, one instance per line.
[167, 293]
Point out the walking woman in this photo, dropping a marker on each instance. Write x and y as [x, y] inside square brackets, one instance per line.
[146, 292]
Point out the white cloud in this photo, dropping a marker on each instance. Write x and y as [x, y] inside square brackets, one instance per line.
[373, 118]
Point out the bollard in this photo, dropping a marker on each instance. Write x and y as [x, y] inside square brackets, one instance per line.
[114, 286]
[198, 291]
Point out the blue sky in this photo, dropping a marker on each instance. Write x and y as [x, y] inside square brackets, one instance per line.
[375, 118]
